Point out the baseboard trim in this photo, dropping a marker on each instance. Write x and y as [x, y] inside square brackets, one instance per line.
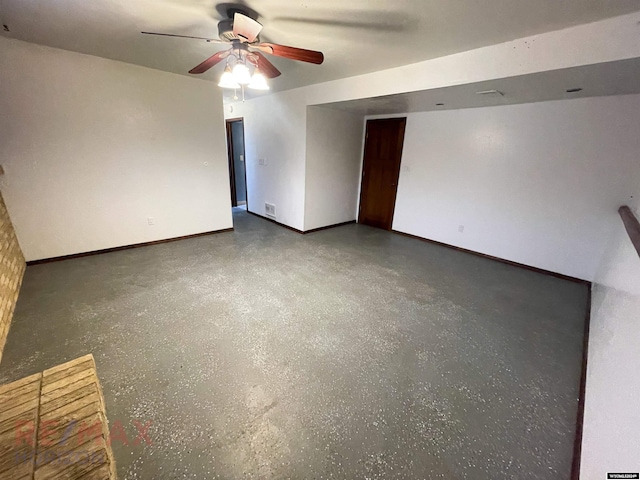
[301, 232]
[276, 222]
[498, 259]
[350, 222]
[577, 445]
[124, 247]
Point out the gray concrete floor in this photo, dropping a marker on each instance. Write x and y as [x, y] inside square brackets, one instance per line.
[347, 353]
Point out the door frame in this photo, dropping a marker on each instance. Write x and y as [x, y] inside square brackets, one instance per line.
[230, 154]
[400, 148]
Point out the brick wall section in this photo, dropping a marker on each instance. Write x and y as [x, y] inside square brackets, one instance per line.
[12, 266]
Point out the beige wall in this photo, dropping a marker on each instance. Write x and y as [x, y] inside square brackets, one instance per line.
[332, 174]
[12, 266]
[538, 183]
[276, 124]
[611, 414]
[95, 148]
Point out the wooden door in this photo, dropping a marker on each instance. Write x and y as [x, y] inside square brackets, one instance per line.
[230, 158]
[380, 171]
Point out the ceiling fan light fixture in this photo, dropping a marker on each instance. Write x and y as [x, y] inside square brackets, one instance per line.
[240, 31]
[241, 74]
[227, 80]
[258, 81]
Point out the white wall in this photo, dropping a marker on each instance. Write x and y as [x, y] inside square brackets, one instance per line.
[333, 160]
[612, 416]
[274, 129]
[533, 183]
[93, 147]
[276, 124]
[598, 42]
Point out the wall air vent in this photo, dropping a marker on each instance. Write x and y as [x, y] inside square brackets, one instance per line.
[491, 93]
[270, 210]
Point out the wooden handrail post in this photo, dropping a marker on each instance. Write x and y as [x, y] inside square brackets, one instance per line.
[632, 225]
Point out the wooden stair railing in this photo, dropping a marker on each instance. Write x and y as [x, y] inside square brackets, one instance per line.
[632, 225]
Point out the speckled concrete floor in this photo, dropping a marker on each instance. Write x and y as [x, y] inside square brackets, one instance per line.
[347, 353]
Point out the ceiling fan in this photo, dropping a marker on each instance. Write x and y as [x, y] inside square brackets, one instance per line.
[242, 32]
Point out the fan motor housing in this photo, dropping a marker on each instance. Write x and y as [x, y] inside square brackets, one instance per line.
[225, 27]
[225, 30]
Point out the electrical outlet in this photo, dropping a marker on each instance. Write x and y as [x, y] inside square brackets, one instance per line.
[461, 228]
[151, 221]
[262, 161]
[242, 158]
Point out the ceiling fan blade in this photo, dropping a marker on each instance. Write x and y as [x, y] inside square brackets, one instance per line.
[210, 40]
[309, 56]
[266, 67]
[210, 62]
[245, 27]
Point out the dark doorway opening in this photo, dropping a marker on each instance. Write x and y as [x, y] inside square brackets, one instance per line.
[237, 170]
[380, 171]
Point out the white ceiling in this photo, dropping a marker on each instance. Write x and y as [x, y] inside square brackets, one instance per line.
[357, 36]
[612, 78]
